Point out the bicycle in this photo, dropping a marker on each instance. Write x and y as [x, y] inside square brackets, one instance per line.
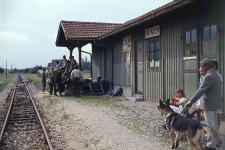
[159, 129]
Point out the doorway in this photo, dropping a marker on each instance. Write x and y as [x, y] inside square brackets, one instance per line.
[139, 67]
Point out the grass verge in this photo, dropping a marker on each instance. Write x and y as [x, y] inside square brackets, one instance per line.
[5, 79]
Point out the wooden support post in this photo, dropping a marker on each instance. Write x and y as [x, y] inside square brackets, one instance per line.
[71, 47]
[71, 52]
[79, 50]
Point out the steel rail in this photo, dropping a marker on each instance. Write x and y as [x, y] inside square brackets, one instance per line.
[42, 124]
[7, 116]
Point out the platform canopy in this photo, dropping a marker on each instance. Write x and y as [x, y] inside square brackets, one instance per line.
[73, 34]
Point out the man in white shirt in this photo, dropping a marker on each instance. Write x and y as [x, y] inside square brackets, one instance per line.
[76, 76]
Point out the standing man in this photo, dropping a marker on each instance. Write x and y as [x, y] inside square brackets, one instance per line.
[215, 67]
[59, 80]
[75, 76]
[52, 75]
[209, 94]
[43, 79]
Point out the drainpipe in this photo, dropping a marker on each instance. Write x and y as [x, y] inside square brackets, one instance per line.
[112, 85]
[104, 62]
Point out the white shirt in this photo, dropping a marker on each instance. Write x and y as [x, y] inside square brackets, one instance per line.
[76, 73]
[182, 100]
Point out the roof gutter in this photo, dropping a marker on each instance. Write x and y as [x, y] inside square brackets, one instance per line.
[100, 45]
[155, 15]
[83, 39]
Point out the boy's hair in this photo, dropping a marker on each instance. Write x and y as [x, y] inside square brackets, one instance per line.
[181, 91]
[207, 61]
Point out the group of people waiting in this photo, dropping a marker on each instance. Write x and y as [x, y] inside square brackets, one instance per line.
[59, 77]
[207, 98]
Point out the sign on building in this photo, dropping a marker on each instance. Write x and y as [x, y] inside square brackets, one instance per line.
[128, 58]
[127, 43]
[152, 32]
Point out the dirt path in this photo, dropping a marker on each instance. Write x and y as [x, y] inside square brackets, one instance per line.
[92, 127]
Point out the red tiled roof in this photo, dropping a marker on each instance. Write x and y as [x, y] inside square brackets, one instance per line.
[152, 12]
[87, 30]
[145, 16]
[76, 29]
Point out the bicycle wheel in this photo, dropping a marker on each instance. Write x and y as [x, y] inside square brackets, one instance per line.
[159, 130]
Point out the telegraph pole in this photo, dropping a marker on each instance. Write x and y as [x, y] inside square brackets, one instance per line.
[6, 70]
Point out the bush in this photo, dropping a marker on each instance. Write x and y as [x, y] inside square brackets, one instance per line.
[87, 71]
[1, 70]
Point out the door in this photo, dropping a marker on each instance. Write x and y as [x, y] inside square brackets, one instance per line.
[191, 73]
[139, 67]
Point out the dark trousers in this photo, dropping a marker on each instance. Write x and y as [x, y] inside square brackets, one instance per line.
[59, 88]
[63, 85]
[43, 85]
[52, 87]
[76, 89]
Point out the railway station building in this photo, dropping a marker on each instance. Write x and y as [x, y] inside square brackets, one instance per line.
[156, 53]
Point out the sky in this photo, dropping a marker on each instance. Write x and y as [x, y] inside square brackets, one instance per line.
[28, 28]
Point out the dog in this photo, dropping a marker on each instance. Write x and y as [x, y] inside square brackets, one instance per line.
[184, 125]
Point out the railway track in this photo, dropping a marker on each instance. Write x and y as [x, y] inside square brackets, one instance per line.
[23, 128]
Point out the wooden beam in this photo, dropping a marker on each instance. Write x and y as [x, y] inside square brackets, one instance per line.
[79, 50]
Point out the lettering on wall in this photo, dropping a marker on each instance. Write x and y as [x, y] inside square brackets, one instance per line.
[152, 32]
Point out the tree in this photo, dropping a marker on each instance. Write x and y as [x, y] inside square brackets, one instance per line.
[15, 70]
[86, 64]
[1, 70]
[26, 70]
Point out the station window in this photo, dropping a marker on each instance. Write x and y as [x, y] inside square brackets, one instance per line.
[190, 43]
[209, 39]
[154, 53]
